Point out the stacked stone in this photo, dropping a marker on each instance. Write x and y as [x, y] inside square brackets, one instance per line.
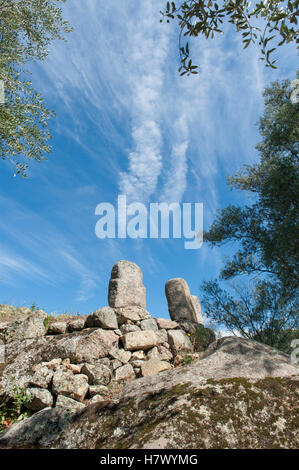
[110, 347]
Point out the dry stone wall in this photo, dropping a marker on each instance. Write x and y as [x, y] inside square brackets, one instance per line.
[74, 362]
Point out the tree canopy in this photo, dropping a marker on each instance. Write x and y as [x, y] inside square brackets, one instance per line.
[269, 23]
[266, 231]
[27, 28]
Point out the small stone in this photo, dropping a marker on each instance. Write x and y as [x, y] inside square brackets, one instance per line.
[139, 340]
[53, 364]
[120, 354]
[98, 390]
[72, 386]
[69, 404]
[162, 336]
[138, 355]
[137, 363]
[179, 341]
[127, 328]
[57, 328]
[39, 399]
[96, 399]
[76, 325]
[149, 324]
[98, 374]
[166, 324]
[125, 372]
[42, 377]
[102, 318]
[118, 332]
[154, 366]
[130, 314]
[74, 368]
[153, 353]
[115, 364]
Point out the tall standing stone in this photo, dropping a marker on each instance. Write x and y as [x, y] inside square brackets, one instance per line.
[125, 287]
[181, 305]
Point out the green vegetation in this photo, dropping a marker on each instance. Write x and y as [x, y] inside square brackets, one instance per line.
[11, 408]
[26, 30]
[266, 307]
[268, 23]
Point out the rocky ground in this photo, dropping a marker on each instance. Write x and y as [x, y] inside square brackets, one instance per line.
[118, 378]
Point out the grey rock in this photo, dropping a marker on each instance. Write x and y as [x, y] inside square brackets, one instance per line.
[40, 399]
[130, 314]
[125, 372]
[189, 407]
[126, 328]
[42, 377]
[154, 366]
[76, 325]
[125, 286]
[197, 308]
[70, 385]
[98, 374]
[57, 328]
[68, 404]
[98, 390]
[179, 341]
[149, 324]
[162, 336]
[103, 318]
[139, 340]
[180, 303]
[165, 324]
[121, 354]
[32, 327]
[115, 364]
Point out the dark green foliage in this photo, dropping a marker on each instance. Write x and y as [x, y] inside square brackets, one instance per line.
[266, 233]
[270, 23]
[266, 230]
[26, 30]
[202, 338]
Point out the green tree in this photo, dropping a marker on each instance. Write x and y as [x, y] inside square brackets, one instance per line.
[258, 311]
[27, 28]
[266, 230]
[270, 23]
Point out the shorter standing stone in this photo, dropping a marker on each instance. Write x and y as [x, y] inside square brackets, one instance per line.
[102, 318]
[139, 340]
[180, 303]
[197, 308]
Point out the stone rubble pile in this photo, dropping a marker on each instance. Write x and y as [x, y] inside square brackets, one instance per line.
[81, 361]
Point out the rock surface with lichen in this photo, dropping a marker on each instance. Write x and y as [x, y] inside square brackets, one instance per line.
[240, 394]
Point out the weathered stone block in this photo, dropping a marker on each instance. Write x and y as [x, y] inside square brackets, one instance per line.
[139, 340]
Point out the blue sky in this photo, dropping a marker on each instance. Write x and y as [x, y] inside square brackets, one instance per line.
[127, 123]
